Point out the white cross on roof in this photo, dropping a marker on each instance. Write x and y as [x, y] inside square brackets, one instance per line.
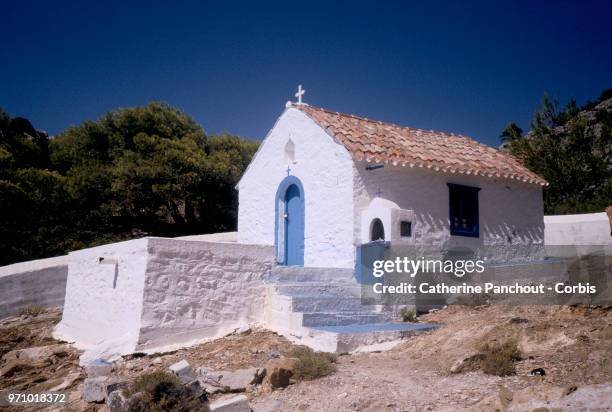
[299, 94]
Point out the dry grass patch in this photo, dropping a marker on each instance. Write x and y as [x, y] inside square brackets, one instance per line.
[408, 314]
[493, 359]
[312, 365]
[32, 311]
[498, 358]
[161, 391]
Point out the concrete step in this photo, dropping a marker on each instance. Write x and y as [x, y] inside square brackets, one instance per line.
[307, 274]
[319, 289]
[310, 319]
[369, 337]
[327, 304]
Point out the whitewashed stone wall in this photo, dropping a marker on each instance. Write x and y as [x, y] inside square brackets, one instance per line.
[583, 229]
[326, 170]
[162, 294]
[103, 302]
[198, 290]
[39, 282]
[509, 212]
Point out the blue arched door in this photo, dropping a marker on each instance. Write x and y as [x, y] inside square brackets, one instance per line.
[294, 226]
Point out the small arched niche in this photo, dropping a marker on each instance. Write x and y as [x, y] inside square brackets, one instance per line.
[377, 230]
[290, 151]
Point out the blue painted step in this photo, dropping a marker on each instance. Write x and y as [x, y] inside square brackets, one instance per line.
[311, 319]
[327, 304]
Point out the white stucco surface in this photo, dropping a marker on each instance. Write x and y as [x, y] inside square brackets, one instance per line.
[583, 229]
[325, 169]
[199, 290]
[104, 301]
[509, 212]
[213, 237]
[160, 294]
[342, 198]
[39, 282]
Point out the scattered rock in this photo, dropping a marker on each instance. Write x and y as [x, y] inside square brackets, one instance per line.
[64, 383]
[116, 402]
[210, 379]
[519, 320]
[14, 366]
[237, 381]
[195, 388]
[239, 403]
[279, 372]
[260, 373]
[94, 389]
[269, 405]
[456, 367]
[243, 330]
[98, 389]
[156, 361]
[183, 370]
[213, 387]
[274, 354]
[99, 367]
[38, 353]
[461, 364]
[115, 386]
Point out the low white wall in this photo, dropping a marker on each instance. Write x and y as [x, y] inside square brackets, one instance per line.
[104, 301]
[161, 294]
[198, 290]
[38, 282]
[584, 229]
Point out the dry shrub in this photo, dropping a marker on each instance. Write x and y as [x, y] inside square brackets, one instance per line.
[161, 391]
[32, 310]
[498, 359]
[408, 314]
[312, 365]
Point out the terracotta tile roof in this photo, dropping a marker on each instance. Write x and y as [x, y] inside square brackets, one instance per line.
[375, 141]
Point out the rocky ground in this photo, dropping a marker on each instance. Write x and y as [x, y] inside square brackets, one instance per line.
[572, 344]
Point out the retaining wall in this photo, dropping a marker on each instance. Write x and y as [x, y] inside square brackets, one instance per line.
[584, 229]
[38, 282]
[157, 294]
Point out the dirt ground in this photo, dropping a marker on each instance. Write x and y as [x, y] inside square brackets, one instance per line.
[572, 344]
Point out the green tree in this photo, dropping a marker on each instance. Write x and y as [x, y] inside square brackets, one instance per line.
[135, 171]
[511, 132]
[572, 150]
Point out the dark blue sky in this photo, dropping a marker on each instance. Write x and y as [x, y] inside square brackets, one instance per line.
[453, 66]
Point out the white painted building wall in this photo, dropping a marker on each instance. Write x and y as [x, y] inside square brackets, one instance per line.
[339, 194]
[325, 169]
[509, 212]
[582, 229]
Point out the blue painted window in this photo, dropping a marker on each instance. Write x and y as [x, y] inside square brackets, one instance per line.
[463, 210]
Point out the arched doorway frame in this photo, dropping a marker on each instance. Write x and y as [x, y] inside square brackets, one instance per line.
[281, 242]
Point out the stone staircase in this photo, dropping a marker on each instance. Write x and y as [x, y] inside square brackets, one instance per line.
[321, 308]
